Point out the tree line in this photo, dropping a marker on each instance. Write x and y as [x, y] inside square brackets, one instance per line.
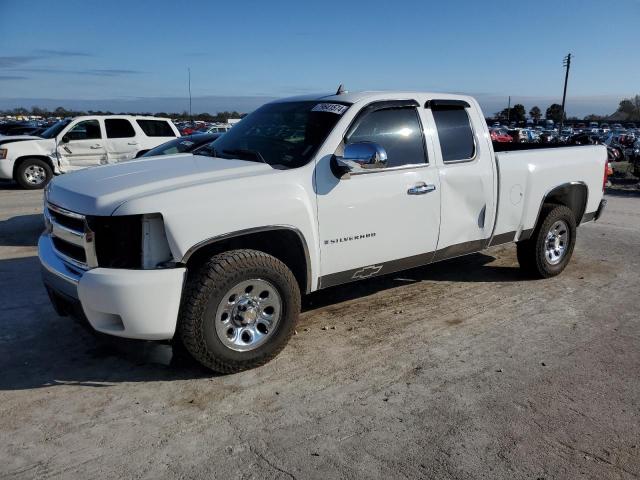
[64, 112]
[628, 107]
[628, 110]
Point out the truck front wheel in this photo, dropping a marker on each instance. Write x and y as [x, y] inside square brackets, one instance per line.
[548, 251]
[239, 310]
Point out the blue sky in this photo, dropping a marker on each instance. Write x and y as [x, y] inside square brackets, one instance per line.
[140, 50]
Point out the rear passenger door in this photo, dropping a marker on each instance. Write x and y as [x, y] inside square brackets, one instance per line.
[121, 143]
[467, 178]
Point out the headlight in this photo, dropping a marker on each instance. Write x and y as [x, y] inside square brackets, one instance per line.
[130, 241]
[3, 153]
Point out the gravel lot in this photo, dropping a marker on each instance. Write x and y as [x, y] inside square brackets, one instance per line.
[460, 370]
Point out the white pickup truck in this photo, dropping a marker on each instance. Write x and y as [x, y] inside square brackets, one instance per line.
[214, 249]
[81, 142]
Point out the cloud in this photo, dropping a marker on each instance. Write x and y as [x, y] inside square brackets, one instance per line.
[108, 72]
[12, 77]
[96, 72]
[16, 60]
[62, 53]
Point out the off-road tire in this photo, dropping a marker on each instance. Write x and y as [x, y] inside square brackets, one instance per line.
[531, 252]
[21, 179]
[204, 291]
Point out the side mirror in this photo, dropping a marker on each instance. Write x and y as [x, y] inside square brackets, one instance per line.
[65, 139]
[362, 156]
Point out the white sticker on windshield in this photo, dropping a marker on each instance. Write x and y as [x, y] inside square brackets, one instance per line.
[330, 107]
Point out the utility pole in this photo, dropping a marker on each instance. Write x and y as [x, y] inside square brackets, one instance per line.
[191, 116]
[509, 110]
[566, 62]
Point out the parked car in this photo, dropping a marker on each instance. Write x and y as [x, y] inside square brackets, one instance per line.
[302, 195]
[215, 128]
[636, 158]
[181, 144]
[500, 135]
[78, 143]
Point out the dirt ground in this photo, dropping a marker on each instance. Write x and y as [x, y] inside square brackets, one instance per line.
[461, 370]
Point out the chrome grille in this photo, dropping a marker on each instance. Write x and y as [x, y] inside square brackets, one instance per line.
[73, 240]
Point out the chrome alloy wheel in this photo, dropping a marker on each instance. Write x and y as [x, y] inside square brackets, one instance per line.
[557, 242]
[248, 314]
[35, 175]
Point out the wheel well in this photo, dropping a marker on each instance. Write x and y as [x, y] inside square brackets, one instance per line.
[20, 160]
[571, 195]
[285, 244]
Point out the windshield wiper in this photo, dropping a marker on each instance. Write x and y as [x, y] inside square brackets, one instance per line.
[206, 150]
[243, 151]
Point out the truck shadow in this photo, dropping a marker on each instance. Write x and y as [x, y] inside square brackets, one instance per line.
[40, 349]
[8, 185]
[21, 230]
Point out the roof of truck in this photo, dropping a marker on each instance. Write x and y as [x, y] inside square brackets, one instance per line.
[354, 97]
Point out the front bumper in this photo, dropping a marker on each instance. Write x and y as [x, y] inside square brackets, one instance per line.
[6, 168]
[139, 304]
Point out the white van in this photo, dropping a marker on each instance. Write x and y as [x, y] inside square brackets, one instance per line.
[81, 142]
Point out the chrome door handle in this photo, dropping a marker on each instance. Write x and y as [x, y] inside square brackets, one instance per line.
[421, 189]
[95, 147]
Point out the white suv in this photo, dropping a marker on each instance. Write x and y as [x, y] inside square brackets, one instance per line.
[80, 142]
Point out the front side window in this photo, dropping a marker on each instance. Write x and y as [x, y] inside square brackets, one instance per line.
[119, 128]
[397, 130]
[156, 128]
[455, 134]
[282, 134]
[85, 130]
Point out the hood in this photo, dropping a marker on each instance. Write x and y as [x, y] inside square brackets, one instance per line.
[17, 138]
[100, 190]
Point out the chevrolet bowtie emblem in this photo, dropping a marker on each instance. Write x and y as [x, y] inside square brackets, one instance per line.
[367, 272]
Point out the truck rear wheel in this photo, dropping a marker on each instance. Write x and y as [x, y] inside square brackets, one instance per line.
[238, 310]
[33, 173]
[548, 251]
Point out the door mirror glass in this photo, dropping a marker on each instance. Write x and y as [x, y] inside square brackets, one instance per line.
[64, 139]
[361, 156]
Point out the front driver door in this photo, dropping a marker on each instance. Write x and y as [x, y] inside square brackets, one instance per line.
[383, 220]
[81, 145]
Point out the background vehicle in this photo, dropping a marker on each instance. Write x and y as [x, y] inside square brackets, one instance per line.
[214, 249]
[81, 142]
[215, 128]
[500, 135]
[636, 158]
[182, 144]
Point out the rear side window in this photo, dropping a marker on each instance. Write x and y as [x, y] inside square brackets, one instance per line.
[455, 134]
[119, 128]
[397, 130]
[156, 128]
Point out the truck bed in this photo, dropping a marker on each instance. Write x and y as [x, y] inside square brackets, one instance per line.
[527, 176]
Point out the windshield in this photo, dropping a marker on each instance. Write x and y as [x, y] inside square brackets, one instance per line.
[179, 145]
[284, 135]
[55, 129]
